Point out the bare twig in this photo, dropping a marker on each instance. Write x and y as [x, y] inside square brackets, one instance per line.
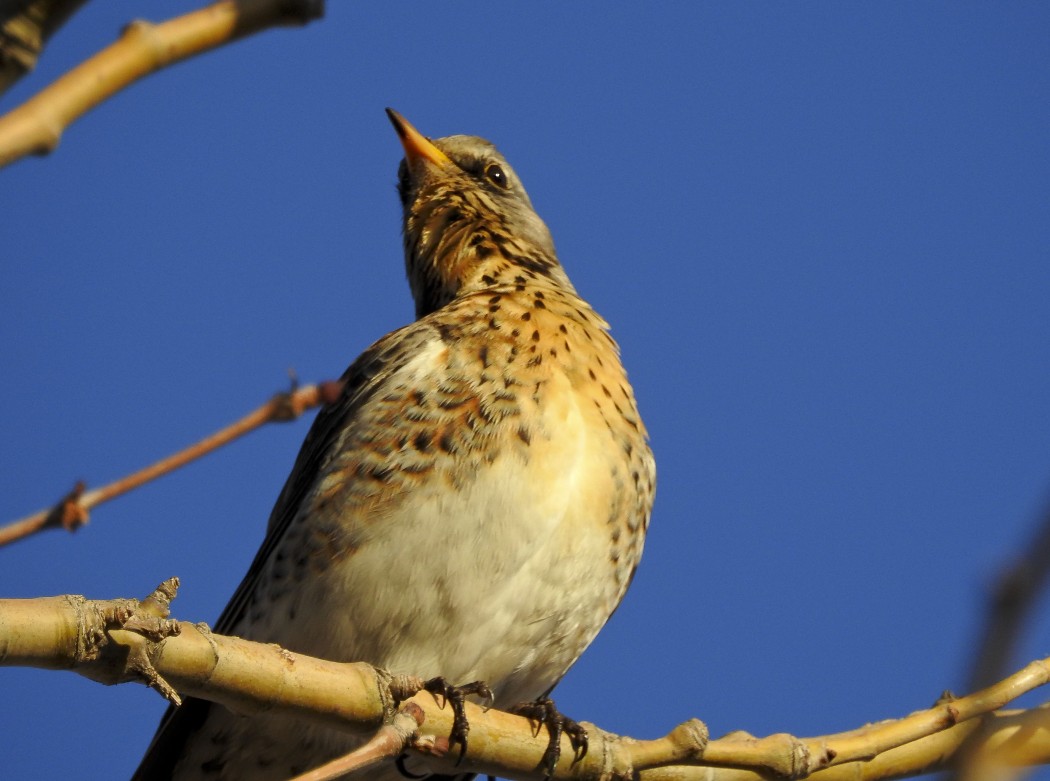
[36, 126]
[387, 743]
[1010, 604]
[72, 511]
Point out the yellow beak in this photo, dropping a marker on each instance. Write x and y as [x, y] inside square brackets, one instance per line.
[417, 146]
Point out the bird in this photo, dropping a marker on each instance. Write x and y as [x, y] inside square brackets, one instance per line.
[474, 505]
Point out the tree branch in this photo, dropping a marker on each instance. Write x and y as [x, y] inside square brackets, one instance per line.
[388, 743]
[72, 511]
[1011, 601]
[119, 640]
[36, 126]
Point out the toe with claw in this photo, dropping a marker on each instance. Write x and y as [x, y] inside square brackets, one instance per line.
[543, 711]
[455, 696]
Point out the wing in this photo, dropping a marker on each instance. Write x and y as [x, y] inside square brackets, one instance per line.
[364, 378]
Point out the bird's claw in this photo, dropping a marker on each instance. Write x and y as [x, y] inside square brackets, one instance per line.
[543, 711]
[455, 696]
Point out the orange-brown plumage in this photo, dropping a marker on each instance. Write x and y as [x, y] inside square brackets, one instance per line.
[475, 504]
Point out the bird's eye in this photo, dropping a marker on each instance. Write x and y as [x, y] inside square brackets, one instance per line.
[497, 176]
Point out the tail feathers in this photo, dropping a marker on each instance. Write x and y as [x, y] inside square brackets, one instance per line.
[169, 743]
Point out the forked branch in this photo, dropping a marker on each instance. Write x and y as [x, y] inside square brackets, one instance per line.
[122, 640]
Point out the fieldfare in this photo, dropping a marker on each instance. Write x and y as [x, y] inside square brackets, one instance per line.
[472, 507]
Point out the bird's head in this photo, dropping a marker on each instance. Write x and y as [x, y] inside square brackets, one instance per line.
[468, 221]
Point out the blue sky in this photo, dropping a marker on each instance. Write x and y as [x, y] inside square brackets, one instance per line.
[820, 231]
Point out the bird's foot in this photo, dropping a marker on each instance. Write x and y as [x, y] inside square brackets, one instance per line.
[455, 696]
[544, 712]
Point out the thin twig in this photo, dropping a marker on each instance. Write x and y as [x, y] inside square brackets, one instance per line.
[877, 738]
[36, 126]
[388, 742]
[73, 510]
[1010, 604]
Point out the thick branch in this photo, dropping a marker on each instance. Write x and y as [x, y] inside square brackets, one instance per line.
[121, 640]
[36, 126]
